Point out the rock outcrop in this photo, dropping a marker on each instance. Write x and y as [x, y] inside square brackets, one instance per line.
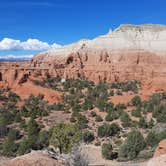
[35, 158]
[161, 149]
[159, 158]
[19, 76]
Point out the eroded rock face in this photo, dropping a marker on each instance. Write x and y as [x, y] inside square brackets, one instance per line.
[128, 53]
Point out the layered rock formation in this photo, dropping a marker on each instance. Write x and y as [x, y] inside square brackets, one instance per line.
[19, 76]
[130, 52]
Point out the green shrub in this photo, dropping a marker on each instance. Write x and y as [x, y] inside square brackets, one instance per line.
[42, 140]
[119, 92]
[65, 136]
[151, 123]
[107, 130]
[152, 139]
[81, 120]
[142, 123]
[99, 118]
[136, 112]
[160, 113]
[13, 134]
[23, 124]
[88, 136]
[125, 119]
[93, 114]
[107, 151]
[3, 128]
[87, 105]
[72, 119]
[32, 128]
[109, 117]
[18, 118]
[9, 148]
[23, 147]
[136, 101]
[127, 86]
[133, 145]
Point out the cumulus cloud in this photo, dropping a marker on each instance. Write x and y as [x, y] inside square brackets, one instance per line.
[30, 45]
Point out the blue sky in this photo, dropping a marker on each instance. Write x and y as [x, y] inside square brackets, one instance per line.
[46, 22]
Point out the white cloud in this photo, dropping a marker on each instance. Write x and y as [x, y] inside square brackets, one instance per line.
[30, 45]
[11, 56]
[34, 44]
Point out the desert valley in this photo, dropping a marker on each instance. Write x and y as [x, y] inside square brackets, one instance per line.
[93, 102]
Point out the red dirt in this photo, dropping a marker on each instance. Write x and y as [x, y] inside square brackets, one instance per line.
[27, 88]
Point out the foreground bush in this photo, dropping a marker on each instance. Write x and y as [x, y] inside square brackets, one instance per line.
[77, 158]
[133, 145]
[107, 152]
[106, 130]
[88, 136]
[64, 137]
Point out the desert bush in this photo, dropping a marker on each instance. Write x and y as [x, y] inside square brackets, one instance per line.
[136, 101]
[143, 123]
[109, 117]
[107, 151]
[13, 134]
[87, 105]
[9, 147]
[88, 136]
[93, 114]
[81, 120]
[99, 118]
[35, 107]
[32, 128]
[65, 136]
[133, 145]
[106, 130]
[136, 112]
[152, 139]
[13, 97]
[151, 123]
[42, 140]
[18, 118]
[23, 147]
[160, 113]
[127, 86]
[125, 119]
[3, 127]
